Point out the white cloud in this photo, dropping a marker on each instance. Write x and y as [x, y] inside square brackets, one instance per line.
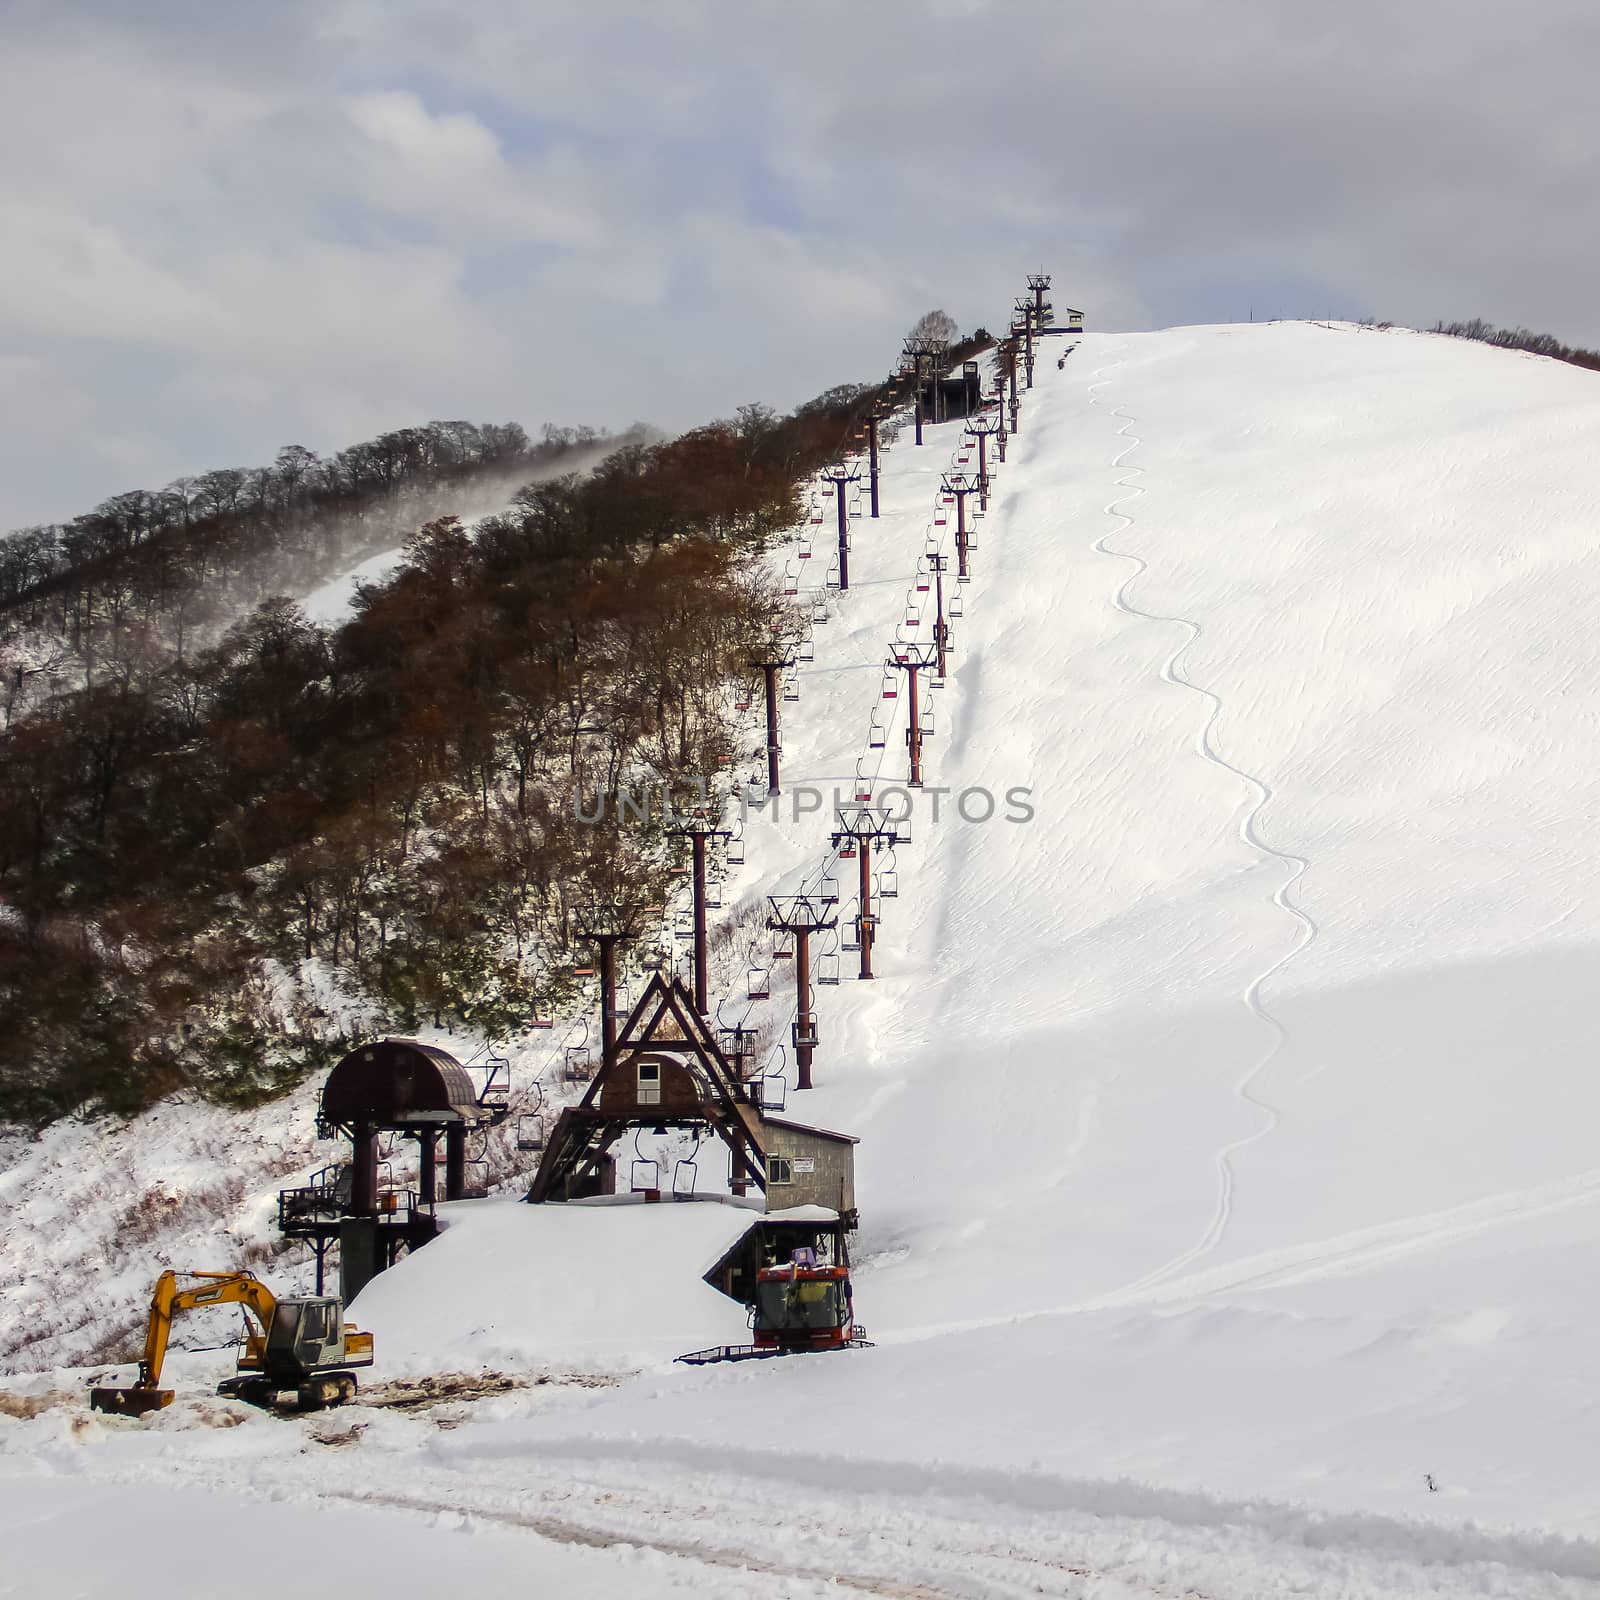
[228, 228]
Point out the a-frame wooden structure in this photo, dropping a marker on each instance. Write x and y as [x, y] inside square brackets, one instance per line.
[666, 1071]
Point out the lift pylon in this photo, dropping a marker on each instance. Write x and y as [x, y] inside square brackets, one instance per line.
[839, 477]
[958, 485]
[914, 660]
[801, 915]
[862, 829]
[699, 827]
[983, 429]
[775, 660]
[606, 927]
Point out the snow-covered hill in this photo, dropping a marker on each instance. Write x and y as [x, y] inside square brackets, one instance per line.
[1226, 1169]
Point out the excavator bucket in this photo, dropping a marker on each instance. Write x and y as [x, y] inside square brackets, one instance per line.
[130, 1402]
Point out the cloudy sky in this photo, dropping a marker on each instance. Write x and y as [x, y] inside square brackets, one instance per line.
[231, 226]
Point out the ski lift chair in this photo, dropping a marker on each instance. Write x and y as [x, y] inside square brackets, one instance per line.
[888, 883]
[684, 1175]
[806, 650]
[575, 1063]
[645, 1177]
[828, 968]
[758, 983]
[876, 734]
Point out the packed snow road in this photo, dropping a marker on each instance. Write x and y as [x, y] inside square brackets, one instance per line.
[362, 1498]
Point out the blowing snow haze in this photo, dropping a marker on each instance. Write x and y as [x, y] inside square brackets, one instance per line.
[313, 222]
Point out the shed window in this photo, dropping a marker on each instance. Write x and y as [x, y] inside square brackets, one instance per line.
[780, 1169]
[649, 1083]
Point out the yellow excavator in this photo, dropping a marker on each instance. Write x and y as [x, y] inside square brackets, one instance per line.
[302, 1344]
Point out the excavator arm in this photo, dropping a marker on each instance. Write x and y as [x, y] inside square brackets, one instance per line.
[211, 1289]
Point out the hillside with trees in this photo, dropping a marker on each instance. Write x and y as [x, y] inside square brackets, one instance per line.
[205, 828]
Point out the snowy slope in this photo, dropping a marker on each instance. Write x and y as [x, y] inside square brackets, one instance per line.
[329, 604]
[1225, 1167]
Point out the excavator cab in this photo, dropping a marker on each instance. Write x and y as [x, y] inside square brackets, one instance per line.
[304, 1334]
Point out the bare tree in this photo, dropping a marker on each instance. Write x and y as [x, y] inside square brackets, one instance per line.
[939, 325]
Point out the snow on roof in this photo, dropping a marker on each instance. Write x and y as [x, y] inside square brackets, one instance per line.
[806, 1127]
[802, 1214]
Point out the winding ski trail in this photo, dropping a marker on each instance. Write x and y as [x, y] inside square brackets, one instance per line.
[1262, 794]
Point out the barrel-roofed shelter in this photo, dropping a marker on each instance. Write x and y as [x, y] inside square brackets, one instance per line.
[413, 1089]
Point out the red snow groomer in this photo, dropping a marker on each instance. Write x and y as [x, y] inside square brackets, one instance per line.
[799, 1308]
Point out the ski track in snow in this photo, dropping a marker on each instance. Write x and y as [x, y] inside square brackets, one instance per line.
[1262, 792]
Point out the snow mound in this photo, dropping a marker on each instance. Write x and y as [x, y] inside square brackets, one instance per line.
[575, 1287]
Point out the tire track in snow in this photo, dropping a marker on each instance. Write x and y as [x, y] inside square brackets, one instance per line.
[1262, 793]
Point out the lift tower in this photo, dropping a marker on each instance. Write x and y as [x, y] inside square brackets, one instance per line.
[698, 827]
[802, 915]
[1024, 326]
[861, 830]
[606, 927]
[1039, 282]
[957, 486]
[840, 476]
[983, 429]
[913, 660]
[776, 659]
[925, 355]
[941, 628]
[873, 448]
